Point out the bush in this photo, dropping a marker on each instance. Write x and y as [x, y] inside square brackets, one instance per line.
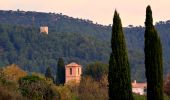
[96, 70]
[8, 94]
[64, 92]
[13, 72]
[90, 89]
[9, 89]
[35, 88]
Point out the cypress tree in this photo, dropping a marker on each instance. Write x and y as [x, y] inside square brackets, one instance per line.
[119, 70]
[153, 59]
[60, 76]
[48, 73]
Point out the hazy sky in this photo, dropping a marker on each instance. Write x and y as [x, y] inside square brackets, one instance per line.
[101, 11]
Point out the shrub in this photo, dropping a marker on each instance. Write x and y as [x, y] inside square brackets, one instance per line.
[9, 89]
[64, 93]
[35, 88]
[90, 89]
[13, 72]
[96, 70]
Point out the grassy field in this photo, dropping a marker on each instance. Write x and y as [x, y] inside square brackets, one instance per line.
[138, 97]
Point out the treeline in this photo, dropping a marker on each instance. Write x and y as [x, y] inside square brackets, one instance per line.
[55, 21]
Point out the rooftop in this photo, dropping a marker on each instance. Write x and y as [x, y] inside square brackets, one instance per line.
[73, 64]
[139, 85]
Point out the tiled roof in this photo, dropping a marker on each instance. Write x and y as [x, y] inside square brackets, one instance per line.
[73, 64]
[139, 85]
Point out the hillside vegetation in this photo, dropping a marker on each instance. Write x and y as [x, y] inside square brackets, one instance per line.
[71, 38]
[36, 86]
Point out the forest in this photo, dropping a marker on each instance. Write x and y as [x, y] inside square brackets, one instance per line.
[74, 39]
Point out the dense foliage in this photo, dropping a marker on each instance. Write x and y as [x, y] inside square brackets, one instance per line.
[55, 21]
[119, 70]
[35, 88]
[153, 60]
[71, 38]
[60, 76]
[34, 51]
[48, 74]
[8, 89]
[96, 70]
[13, 72]
[89, 88]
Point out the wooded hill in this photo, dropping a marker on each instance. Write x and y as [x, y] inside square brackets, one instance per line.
[71, 38]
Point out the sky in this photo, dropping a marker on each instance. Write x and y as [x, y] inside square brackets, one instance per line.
[132, 12]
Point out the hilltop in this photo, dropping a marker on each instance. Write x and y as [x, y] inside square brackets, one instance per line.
[55, 21]
[74, 39]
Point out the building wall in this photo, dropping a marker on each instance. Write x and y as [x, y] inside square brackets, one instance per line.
[139, 88]
[139, 91]
[44, 29]
[75, 76]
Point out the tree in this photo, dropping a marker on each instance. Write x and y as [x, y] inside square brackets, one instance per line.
[14, 72]
[119, 71]
[153, 59]
[48, 73]
[35, 88]
[96, 70]
[60, 76]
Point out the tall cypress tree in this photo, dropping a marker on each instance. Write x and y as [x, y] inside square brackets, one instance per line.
[119, 70]
[153, 59]
[60, 76]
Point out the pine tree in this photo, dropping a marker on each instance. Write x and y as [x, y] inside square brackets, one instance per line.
[153, 59]
[48, 73]
[60, 76]
[119, 70]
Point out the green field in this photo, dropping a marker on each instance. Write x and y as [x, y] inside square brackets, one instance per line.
[138, 97]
